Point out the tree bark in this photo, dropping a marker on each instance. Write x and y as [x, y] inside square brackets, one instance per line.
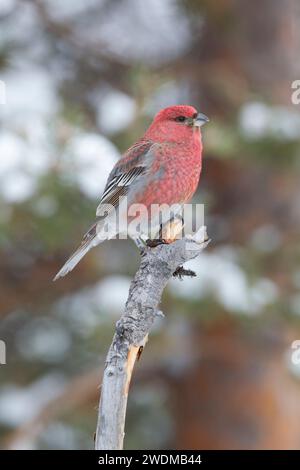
[156, 268]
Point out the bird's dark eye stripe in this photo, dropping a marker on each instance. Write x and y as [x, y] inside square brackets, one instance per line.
[180, 119]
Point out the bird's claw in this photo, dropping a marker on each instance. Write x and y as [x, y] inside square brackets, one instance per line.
[156, 242]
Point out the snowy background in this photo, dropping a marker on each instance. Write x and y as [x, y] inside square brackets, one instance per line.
[82, 82]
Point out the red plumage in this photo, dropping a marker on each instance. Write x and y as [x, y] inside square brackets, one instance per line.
[163, 167]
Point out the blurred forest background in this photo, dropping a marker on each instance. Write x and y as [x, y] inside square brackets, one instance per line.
[83, 80]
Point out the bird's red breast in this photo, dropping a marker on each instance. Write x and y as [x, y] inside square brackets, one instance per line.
[177, 161]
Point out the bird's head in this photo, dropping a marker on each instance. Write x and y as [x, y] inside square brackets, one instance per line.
[176, 123]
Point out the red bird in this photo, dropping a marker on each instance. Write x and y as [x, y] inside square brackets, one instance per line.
[163, 167]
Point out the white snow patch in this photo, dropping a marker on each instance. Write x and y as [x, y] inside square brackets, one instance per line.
[44, 339]
[107, 296]
[29, 91]
[20, 404]
[258, 120]
[89, 158]
[115, 111]
[17, 187]
[6, 6]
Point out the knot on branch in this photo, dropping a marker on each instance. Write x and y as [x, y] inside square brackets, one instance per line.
[133, 327]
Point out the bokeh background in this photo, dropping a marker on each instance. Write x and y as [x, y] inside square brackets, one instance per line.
[83, 80]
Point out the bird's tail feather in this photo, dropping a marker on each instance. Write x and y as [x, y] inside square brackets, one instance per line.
[74, 259]
[90, 240]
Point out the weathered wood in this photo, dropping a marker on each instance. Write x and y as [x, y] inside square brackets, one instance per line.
[156, 268]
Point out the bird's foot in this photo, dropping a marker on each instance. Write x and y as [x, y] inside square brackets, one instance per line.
[156, 242]
[180, 272]
[141, 244]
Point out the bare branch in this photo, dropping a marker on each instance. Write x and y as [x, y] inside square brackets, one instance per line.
[156, 268]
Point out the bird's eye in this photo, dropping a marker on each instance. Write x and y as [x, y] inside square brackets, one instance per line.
[180, 119]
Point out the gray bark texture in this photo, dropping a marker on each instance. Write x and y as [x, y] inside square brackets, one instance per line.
[156, 268]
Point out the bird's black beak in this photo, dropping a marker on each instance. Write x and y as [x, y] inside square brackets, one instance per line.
[199, 120]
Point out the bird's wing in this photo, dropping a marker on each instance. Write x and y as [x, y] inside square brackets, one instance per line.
[129, 169]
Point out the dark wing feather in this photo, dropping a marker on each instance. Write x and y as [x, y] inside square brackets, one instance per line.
[128, 169]
[135, 163]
